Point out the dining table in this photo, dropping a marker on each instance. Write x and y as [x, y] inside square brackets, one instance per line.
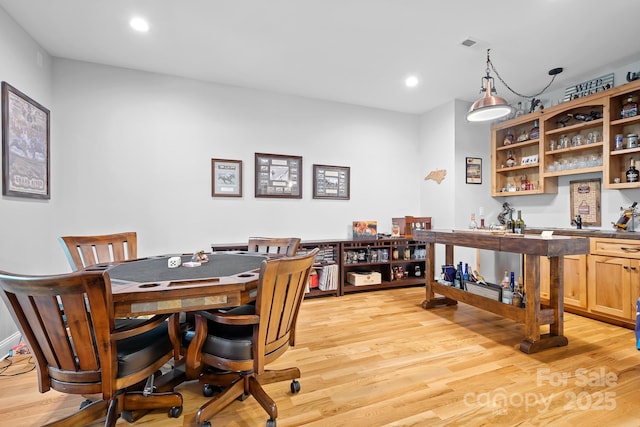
[149, 286]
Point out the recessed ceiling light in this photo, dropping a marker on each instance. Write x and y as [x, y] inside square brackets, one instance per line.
[412, 81]
[139, 24]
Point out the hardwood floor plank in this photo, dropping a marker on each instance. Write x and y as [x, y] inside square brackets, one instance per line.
[378, 359]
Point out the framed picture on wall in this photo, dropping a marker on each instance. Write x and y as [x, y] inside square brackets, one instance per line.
[473, 170]
[331, 182]
[278, 176]
[25, 145]
[226, 178]
[585, 201]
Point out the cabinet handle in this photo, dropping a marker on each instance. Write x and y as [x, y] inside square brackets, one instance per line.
[633, 268]
[630, 249]
[626, 267]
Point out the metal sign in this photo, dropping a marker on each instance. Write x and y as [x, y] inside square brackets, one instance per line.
[588, 87]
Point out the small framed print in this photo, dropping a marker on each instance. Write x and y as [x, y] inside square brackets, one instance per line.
[473, 170]
[278, 176]
[25, 145]
[331, 182]
[226, 178]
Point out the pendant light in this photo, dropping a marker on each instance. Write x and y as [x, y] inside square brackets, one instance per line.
[491, 106]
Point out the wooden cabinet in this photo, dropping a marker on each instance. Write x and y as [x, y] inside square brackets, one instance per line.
[575, 281]
[618, 161]
[396, 262]
[614, 278]
[610, 283]
[511, 142]
[575, 137]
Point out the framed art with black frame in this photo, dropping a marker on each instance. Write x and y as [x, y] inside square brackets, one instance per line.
[278, 176]
[226, 178]
[25, 145]
[473, 170]
[331, 182]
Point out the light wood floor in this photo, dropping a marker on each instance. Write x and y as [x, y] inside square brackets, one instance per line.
[379, 359]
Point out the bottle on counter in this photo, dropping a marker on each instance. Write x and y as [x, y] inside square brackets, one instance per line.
[465, 275]
[632, 172]
[519, 224]
[473, 224]
[512, 281]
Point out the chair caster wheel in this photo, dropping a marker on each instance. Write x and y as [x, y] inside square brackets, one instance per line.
[205, 424]
[243, 397]
[85, 403]
[175, 411]
[271, 422]
[207, 390]
[127, 416]
[295, 386]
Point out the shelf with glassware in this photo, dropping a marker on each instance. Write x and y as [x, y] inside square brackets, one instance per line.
[573, 141]
[516, 157]
[381, 264]
[624, 127]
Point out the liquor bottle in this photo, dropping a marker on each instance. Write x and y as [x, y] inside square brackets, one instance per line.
[512, 281]
[509, 138]
[519, 110]
[534, 133]
[516, 299]
[465, 275]
[632, 173]
[511, 160]
[473, 224]
[629, 108]
[481, 213]
[519, 224]
[505, 280]
[457, 281]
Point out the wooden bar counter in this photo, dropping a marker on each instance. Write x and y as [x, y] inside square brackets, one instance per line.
[534, 315]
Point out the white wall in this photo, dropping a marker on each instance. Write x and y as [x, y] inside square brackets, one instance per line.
[27, 67]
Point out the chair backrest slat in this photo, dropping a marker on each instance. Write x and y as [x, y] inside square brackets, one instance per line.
[280, 294]
[83, 251]
[287, 246]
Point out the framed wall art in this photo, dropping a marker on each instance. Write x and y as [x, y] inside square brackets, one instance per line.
[226, 178]
[25, 145]
[331, 182]
[585, 201]
[473, 170]
[278, 176]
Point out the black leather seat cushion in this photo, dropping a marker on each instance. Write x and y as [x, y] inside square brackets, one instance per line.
[231, 341]
[138, 352]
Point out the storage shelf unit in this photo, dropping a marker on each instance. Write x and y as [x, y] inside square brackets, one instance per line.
[591, 144]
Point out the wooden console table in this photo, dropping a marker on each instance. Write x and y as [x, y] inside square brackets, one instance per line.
[534, 315]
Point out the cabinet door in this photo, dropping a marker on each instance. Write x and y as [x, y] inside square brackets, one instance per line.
[609, 285]
[575, 280]
[635, 286]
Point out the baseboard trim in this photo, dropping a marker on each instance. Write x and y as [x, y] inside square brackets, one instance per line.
[7, 343]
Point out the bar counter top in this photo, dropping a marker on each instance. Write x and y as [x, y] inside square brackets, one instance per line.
[586, 232]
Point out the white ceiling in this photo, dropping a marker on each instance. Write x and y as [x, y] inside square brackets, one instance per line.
[352, 51]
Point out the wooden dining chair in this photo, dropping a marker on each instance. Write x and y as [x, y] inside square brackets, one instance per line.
[67, 322]
[287, 246]
[239, 343]
[83, 251]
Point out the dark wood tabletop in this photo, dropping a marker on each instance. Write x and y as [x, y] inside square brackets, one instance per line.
[149, 286]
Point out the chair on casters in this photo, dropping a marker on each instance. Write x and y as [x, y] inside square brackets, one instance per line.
[274, 245]
[67, 322]
[84, 251]
[238, 346]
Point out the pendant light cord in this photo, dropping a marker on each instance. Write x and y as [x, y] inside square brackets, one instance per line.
[490, 64]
